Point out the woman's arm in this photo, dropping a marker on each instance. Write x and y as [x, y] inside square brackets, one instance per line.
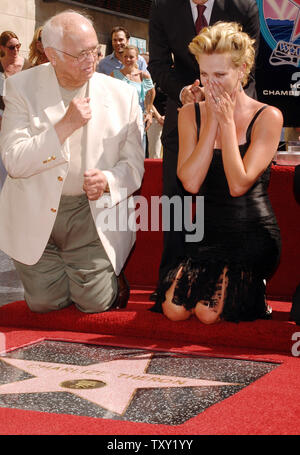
[157, 116]
[148, 103]
[241, 173]
[149, 99]
[194, 156]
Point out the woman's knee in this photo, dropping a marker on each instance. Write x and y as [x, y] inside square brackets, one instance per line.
[175, 312]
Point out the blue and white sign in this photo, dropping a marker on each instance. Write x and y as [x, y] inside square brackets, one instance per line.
[278, 68]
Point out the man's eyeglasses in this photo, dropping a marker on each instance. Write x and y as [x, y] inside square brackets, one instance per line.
[84, 54]
[12, 48]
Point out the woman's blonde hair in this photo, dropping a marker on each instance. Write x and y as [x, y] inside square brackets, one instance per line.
[132, 47]
[226, 37]
[34, 53]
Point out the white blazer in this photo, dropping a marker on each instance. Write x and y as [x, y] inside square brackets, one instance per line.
[37, 163]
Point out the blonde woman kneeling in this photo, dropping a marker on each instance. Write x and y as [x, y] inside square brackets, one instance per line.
[226, 145]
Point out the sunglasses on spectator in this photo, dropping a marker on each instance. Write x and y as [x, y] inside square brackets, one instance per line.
[12, 48]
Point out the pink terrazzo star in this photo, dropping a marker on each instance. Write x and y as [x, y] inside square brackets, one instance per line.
[110, 385]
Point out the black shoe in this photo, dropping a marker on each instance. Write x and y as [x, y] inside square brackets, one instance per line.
[295, 310]
[153, 296]
[123, 293]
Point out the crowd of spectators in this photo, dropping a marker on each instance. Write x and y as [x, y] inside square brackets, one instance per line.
[152, 99]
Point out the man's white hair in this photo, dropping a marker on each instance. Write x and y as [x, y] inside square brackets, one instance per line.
[55, 28]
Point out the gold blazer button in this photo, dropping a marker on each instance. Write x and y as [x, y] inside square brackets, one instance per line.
[53, 210]
[60, 178]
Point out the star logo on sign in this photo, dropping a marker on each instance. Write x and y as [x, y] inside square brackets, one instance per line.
[110, 385]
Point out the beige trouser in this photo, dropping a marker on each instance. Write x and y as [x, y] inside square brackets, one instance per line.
[74, 267]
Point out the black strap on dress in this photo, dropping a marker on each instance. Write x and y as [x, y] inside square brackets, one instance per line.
[249, 129]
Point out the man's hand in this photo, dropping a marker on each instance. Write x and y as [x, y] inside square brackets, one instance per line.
[77, 115]
[95, 183]
[192, 93]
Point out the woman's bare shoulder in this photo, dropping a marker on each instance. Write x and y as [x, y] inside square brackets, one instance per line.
[145, 75]
[270, 114]
[188, 110]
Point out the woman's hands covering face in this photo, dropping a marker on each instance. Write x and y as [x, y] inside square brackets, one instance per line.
[219, 102]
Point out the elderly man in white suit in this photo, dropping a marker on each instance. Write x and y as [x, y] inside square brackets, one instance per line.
[71, 144]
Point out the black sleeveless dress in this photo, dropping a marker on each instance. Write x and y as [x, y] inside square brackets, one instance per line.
[241, 236]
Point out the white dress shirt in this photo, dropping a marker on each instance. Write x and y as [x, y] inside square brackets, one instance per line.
[207, 13]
